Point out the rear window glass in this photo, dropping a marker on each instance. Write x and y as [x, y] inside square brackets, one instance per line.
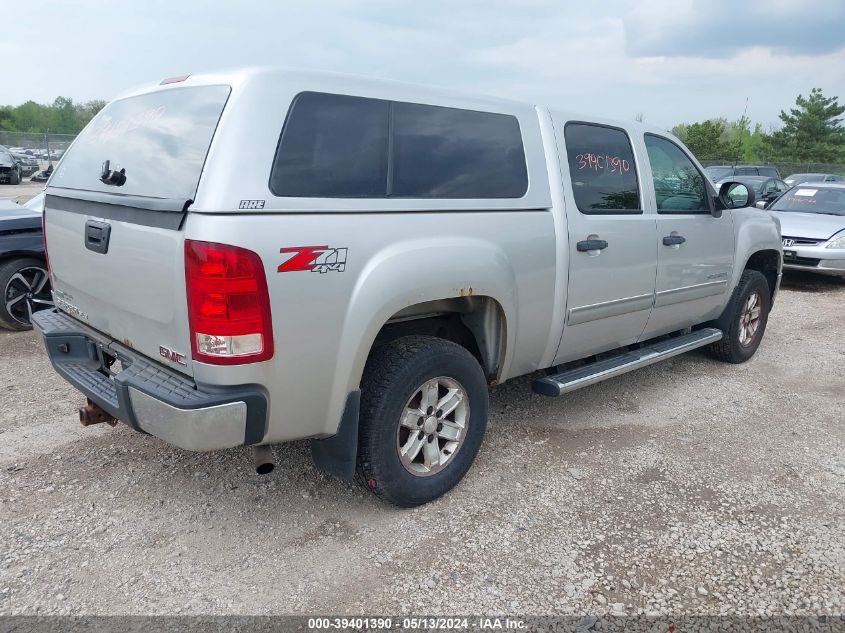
[772, 172]
[602, 169]
[161, 139]
[717, 173]
[343, 146]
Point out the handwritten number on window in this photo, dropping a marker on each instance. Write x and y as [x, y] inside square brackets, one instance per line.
[599, 162]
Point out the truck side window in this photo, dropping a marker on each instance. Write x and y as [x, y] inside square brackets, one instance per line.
[333, 146]
[678, 185]
[441, 152]
[341, 146]
[602, 169]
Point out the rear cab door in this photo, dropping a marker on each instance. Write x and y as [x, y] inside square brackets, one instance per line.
[114, 215]
[612, 251]
[695, 248]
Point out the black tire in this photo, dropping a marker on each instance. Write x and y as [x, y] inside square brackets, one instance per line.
[7, 270]
[394, 374]
[731, 349]
[15, 177]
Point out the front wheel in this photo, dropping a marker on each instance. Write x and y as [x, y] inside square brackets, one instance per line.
[744, 320]
[423, 416]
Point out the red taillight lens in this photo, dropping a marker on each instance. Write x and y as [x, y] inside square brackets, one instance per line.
[228, 304]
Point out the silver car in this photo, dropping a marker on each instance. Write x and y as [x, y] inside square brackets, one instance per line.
[812, 218]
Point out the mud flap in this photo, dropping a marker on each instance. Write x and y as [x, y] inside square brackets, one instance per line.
[336, 455]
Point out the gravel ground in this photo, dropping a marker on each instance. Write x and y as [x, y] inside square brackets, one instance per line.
[689, 487]
[22, 192]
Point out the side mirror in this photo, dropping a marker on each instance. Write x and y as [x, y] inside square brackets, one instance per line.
[761, 204]
[735, 195]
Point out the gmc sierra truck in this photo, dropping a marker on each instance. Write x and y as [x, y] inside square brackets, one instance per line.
[390, 252]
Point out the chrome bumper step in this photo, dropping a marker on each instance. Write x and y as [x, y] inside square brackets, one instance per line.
[573, 379]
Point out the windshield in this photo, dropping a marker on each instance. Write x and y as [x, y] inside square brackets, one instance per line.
[828, 201]
[160, 139]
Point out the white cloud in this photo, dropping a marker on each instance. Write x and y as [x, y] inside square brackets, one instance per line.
[616, 58]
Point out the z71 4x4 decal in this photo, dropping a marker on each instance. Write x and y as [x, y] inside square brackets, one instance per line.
[317, 259]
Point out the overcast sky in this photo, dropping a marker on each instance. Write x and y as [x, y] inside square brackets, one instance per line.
[671, 60]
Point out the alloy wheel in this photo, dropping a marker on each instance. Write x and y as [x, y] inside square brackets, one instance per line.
[26, 292]
[749, 318]
[433, 426]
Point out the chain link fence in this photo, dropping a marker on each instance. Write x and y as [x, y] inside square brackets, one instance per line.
[47, 147]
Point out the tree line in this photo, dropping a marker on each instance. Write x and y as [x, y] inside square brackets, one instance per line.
[63, 116]
[811, 132]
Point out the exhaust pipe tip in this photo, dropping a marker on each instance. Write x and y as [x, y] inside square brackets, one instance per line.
[263, 458]
[265, 469]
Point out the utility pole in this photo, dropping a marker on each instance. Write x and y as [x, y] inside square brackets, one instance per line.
[49, 154]
[739, 146]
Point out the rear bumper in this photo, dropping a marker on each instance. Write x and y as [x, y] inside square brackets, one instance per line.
[147, 396]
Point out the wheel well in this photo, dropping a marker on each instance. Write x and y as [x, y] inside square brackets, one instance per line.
[474, 322]
[766, 262]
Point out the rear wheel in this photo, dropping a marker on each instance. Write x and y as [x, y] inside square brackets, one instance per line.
[423, 416]
[25, 287]
[744, 320]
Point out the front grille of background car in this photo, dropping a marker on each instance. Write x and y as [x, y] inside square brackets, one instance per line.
[803, 241]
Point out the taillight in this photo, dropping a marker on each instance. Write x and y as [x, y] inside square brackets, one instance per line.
[228, 304]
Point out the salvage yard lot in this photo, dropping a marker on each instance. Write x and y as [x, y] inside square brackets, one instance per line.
[688, 487]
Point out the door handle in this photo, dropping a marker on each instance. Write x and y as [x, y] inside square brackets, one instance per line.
[97, 236]
[673, 240]
[591, 245]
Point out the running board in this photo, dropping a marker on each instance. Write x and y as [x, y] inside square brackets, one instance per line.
[573, 379]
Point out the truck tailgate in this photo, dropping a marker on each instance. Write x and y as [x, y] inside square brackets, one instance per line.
[131, 289]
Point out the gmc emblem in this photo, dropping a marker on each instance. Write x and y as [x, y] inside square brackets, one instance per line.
[171, 355]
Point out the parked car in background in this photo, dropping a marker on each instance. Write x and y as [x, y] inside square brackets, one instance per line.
[28, 164]
[24, 282]
[720, 172]
[797, 179]
[10, 168]
[812, 219]
[765, 189]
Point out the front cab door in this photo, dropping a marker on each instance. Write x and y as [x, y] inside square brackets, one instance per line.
[612, 252]
[695, 249]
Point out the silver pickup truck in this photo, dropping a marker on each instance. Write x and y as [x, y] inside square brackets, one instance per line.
[272, 255]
